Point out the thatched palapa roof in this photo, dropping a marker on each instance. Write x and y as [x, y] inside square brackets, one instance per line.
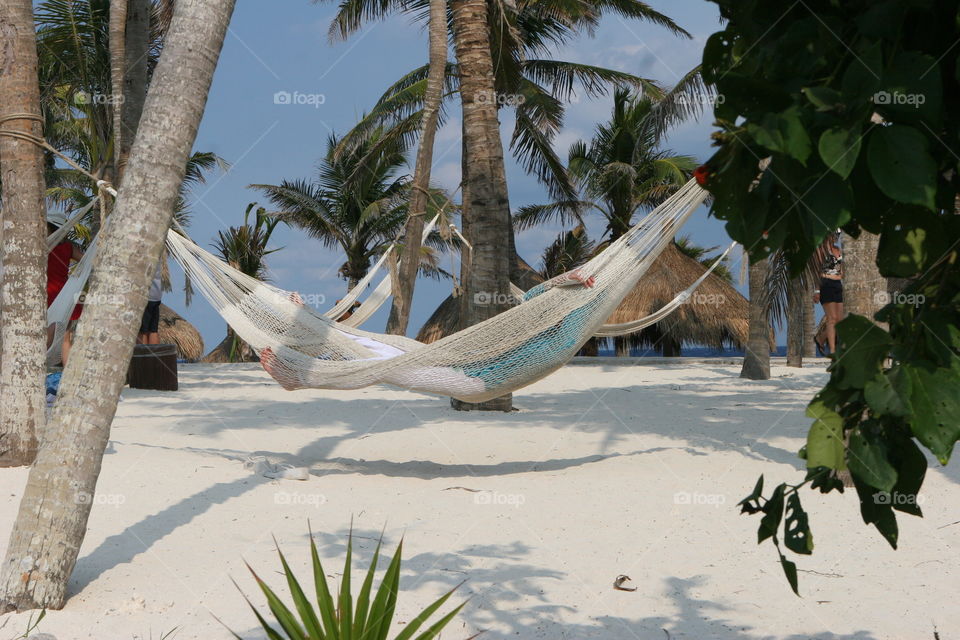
[716, 315]
[175, 330]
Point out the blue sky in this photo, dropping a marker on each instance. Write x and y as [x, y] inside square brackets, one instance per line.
[283, 46]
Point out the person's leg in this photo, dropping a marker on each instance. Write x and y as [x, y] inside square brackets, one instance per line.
[67, 343]
[153, 338]
[51, 332]
[830, 325]
[141, 338]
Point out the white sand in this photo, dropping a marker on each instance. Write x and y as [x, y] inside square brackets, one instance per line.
[539, 510]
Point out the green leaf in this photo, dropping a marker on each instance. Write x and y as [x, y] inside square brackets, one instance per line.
[884, 398]
[790, 570]
[772, 514]
[869, 459]
[825, 438]
[913, 88]
[861, 80]
[420, 618]
[875, 509]
[783, 132]
[902, 166]
[328, 611]
[751, 504]
[796, 527]
[839, 149]
[363, 599]
[911, 470]
[381, 611]
[823, 98]
[438, 626]
[935, 398]
[863, 348]
[345, 600]
[303, 606]
[829, 200]
[283, 615]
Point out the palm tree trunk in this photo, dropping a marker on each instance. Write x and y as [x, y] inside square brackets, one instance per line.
[53, 514]
[863, 286]
[408, 268]
[796, 299]
[129, 53]
[669, 347]
[487, 286]
[756, 358]
[22, 291]
[809, 322]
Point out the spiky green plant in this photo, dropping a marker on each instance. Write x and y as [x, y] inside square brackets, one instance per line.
[345, 619]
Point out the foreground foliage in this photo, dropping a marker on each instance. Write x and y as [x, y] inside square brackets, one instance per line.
[856, 106]
[369, 617]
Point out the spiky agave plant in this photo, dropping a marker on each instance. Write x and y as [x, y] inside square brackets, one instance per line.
[345, 619]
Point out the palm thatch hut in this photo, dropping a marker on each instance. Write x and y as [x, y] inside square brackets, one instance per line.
[231, 349]
[446, 319]
[175, 330]
[716, 315]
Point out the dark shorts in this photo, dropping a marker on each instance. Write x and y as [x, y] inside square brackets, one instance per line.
[151, 317]
[830, 290]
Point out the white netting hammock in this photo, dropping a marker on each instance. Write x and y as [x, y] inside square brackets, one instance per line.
[494, 357]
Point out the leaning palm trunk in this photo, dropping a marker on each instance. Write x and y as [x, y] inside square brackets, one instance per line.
[487, 286]
[864, 288]
[408, 269]
[128, 63]
[53, 513]
[24, 247]
[756, 358]
[796, 299]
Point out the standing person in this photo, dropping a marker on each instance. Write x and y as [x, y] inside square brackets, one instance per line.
[830, 293]
[58, 272]
[150, 324]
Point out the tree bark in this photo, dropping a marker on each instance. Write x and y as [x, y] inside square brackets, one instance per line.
[796, 301]
[23, 332]
[409, 267]
[809, 323]
[864, 289]
[130, 73]
[756, 358]
[669, 348]
[53, 513]
[487, 286]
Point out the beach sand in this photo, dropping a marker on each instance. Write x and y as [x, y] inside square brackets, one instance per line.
[606, 469]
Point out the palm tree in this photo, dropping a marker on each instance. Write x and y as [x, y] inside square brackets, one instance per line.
[704, 255]
[756, 357]
[244, 248]
[22, 327]
[433, 99]
[52, 520]
[570, 250]
[357, 203]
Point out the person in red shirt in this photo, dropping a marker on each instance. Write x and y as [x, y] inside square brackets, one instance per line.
[58, 272]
